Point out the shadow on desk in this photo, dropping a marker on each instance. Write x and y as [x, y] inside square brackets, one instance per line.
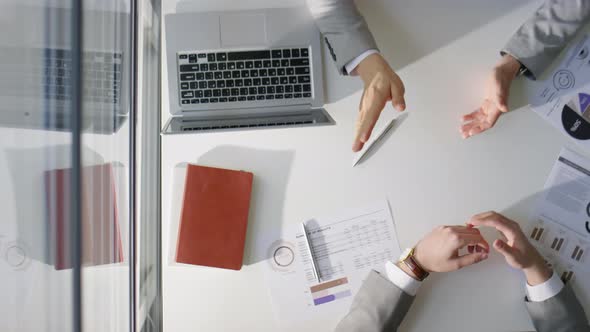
[407, 31]
[271, 170]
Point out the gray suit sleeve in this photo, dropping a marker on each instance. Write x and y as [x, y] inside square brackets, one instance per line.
[344, 29]
[540, 39]
[378, 306]
[561, 313]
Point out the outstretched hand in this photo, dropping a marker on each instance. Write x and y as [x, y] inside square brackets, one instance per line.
[496, 100]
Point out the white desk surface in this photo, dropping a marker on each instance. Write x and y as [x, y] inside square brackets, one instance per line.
[443, 51]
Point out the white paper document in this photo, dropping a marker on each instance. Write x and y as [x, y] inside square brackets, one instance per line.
[563, 99]
[345, 245]
[560, 223]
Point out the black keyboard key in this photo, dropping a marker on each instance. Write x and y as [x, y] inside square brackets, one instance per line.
[223, 100]
[200, 76]
[252, 91]
[272, 72]
[243, 91]
[274, 80]
[187, 94]
[202, 55]
[235, 74]
[295, 52]
[211, 57]
[248, 82]
[302, 70]
[198, 94]
[290, 71]
[269, 97]
[232, 99]
[213, 100]
[225, 92]
[204, 67]
[304, 52]
[285, 63]
[306, 95]
[184, 85]
[194, 101]
[297, 95]
[254, 73]
[258, 64]
[187, 77]
[251, 97]
[256, 81]
[192, 58]
[240, 65]
[303, 79]
[216, 93]
[259, 97]
[266, 63]
[299, 62]
[222, 66]
[270, 89]
[248, 55]
[235, 92]
[211, 84]
[284, 80]
[292, 79]
[249, 64]
[209, 76]
[278, 96]
[286, 53]
[245, 73]
[218, 75]
[202, 85]
[289, 88]
[221, 56]
[204, 101]
[194, 85]
[186, 102]
[189, 68]
[263, 72]
[221, 84]
[276, 53]
[183, 56]
[241, 98]
[212, 66]
[265, 81]
[288, 96]
[231, 65]
[280, 89]
[227, 74]
[239, 83]
[306, 87]
[208, 93]
[261, 90]
[297, 88]
[281, 71]
[229, 83]
[276, 63]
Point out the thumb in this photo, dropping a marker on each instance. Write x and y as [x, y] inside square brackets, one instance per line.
[503, 248]
[502, 101]
[470, 259]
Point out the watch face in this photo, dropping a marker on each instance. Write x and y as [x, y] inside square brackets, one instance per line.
[405, 254]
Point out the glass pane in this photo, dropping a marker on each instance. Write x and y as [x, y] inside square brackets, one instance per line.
[105, 174]
[36, 276]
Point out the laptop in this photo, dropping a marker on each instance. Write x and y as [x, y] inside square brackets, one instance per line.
[244, 69]
[35, 87]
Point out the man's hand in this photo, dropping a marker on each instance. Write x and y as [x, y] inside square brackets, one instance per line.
[496, 101]
[381, 85]
[517, 250]
[439, 250]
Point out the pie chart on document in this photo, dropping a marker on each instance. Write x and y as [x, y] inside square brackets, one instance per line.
[575, 117]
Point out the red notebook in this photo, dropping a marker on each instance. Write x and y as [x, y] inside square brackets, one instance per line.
[214, 217]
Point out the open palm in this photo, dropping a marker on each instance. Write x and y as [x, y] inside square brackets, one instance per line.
[480, 120]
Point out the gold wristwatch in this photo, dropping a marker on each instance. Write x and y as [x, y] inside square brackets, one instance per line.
[407, 258]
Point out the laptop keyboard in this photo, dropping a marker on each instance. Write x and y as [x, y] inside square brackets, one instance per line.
[229, 77]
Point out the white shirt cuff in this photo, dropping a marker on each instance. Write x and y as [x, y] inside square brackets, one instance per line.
[351, 65]
[546, 290]
[401, 279]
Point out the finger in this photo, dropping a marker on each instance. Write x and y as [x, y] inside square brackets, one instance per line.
[477, 130]
[504, 249]
[371, 107]
[466, 129]
[465, 230]
[470, 259]
[492, 219]
[397, 97]
[472, 240]
[502, 100]
[470, 117]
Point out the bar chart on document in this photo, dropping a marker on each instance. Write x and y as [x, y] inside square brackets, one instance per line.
[345, 246]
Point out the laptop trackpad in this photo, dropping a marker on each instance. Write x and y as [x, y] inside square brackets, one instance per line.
[243, 29]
